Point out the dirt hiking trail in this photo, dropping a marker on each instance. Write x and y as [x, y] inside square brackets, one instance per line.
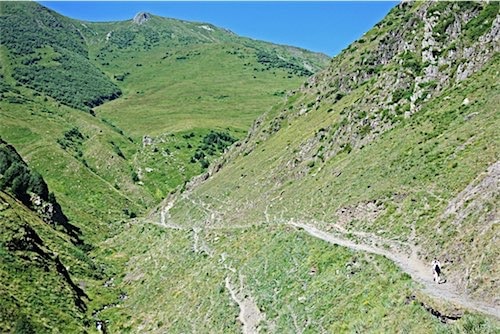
[410, 264]
[402, 254]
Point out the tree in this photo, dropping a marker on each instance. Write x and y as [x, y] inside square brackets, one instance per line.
[38, 186]
[24, 326]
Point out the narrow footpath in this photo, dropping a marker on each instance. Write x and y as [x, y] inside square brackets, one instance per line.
[418, 270]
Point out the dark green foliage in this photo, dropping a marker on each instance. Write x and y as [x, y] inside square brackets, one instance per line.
[50, 56]
[412, 62]
[219, 140]
[122, 38]
[271, 60]
[432, 84]
[75, 81]
[188, 136]
[364, 130]
[38, 186]
[204, 163]
[339, 96]
[135, 177]
[4, 86]
[400, 93]
[211, 144]
[27, 26]
[129, 213]
[24, 326]
[113, 126]
[16, 176]
[72, 138]
[121, 77]
[117, 150]
[445, 20]
[347, 148]
[72, 141]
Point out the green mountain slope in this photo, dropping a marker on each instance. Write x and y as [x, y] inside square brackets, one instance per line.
[49, 54]
[180, 75]
[180, 82]
[44, 261]
[54, 71]
[397, 140]
[392, 147]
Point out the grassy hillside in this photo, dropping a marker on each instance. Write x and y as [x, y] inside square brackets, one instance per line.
[395, 140]
[73, 151]
[48, 279]
[49, 54]
[298, 283]
[182, 80]
[54, 71]
[179, 80]
[406, 151]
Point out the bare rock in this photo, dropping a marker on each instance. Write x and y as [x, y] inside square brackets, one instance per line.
[141, 18]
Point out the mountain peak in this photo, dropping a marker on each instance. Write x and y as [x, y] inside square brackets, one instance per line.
[141, 17]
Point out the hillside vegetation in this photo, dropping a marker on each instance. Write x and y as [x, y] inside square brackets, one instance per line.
[181, 81]
[174, 79]
[393, 146]
[49, 54]
[395, 140]
[54, 72]
[44, 260]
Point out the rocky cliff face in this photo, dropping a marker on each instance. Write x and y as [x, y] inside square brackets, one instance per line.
[419, 51]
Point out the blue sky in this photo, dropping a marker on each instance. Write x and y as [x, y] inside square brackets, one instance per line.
[326, 27]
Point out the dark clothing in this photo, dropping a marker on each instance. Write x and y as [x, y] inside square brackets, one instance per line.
[437, 269]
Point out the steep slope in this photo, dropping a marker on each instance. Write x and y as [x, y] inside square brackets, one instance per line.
[52, 76]
[183, 80]
[178, 81]
[48, 53]
[180, 71]
[396, 140]
[191, 280]
[359, 151]
[44, 261]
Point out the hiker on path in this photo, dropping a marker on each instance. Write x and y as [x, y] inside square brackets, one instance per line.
[436, 270]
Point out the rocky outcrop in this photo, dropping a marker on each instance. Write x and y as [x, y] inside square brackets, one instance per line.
[26, 240]
[420, 50]
[51, 213]
[141, 18]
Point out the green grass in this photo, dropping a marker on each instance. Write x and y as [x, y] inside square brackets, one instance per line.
[172, 88]
[175, 77]
[48, 54]
[212, 89]
[92, 183]
[413, 171]
[30, 285]
[348, 292]
[181, 81]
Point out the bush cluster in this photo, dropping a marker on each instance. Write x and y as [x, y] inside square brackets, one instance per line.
[271, 60]
[18, 178]
[213, 143]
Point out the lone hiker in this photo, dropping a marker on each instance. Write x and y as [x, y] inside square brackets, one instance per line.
[436, 270]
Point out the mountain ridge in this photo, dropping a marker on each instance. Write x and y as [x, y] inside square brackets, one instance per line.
[300, 156]
[394, 144]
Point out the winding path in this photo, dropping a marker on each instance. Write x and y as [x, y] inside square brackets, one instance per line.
[418, 270]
